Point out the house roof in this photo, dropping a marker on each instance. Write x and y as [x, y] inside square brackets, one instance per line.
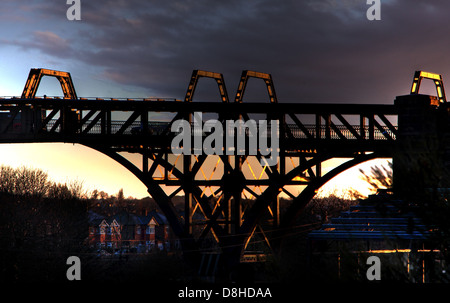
[159, 218]
[125, 218]
[95, 218]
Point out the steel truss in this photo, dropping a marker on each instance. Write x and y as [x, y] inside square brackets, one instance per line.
[231, 201]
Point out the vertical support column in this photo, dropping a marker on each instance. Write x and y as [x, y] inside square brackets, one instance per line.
[144, 121]
[419, 162]
[362, 127]
[318, 127]
[236, 188]
[281, 166]
[188, 199]
[371, 127]
[319, 170]
[318, 137]
[70, 120]
[327, 118]
[227, 197]
[145, 160]
[187, 186]
[108, 122]
[276, 211]
[227, 213]
[103, 123]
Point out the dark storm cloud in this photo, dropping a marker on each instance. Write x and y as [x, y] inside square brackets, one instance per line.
[317, 51]
[45, 41]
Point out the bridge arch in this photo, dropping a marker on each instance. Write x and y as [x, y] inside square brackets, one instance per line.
[154, 190]
[298, 203]
[223, 215]
[234, 244]
[310, 191]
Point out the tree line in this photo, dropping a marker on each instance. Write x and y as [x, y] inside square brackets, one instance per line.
[43, 222]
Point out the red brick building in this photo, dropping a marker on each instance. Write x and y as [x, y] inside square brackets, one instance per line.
[131, 233]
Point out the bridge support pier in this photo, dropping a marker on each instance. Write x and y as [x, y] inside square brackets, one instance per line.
[422, 157]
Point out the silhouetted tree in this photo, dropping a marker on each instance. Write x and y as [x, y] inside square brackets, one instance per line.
[41, 222]
[59, 191]
[379, 177]
[103, 195]
[76, 189]
[94, 195]
[23, 181]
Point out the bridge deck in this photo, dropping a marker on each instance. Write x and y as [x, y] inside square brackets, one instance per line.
[301, 125]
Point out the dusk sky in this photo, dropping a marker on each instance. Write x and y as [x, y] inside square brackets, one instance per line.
[323, 51]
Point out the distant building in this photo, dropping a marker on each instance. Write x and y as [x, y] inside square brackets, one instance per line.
[131, 233]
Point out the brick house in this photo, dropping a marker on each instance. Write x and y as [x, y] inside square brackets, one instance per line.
[131, 233]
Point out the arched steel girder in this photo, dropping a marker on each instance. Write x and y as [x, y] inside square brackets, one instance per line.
[188, 187]
[235, 245]
[161, 198]
[234, 241]
[259, 207]
[310, 191]
[188, 242]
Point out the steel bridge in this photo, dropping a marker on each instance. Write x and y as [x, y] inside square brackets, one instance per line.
[229, 199]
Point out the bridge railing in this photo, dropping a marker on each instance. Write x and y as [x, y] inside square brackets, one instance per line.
[309, 131]
[342, 132]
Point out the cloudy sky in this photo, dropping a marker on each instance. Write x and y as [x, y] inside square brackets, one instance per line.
[316, 51]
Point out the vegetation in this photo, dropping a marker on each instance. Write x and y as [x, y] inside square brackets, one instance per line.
[42, 223]
[379, 177]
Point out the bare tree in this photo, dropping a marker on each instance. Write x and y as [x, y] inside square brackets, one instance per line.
[32, 182]
[76, 189]
[379, 177]
[59, 191]
[23, 181]
[7, 179]
[94, 194]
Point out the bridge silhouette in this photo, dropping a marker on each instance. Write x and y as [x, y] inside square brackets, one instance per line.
[229, 199]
